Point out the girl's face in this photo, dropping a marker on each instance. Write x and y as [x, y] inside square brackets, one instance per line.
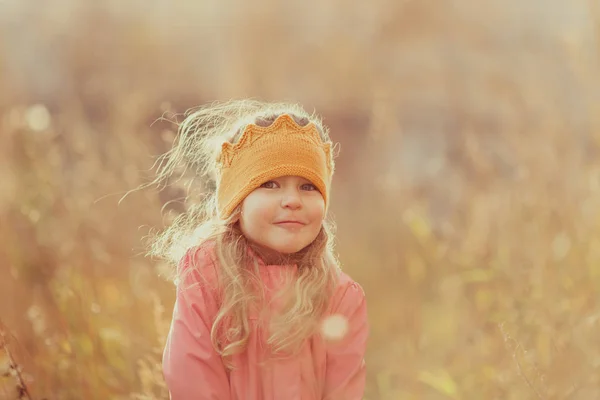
[283, 215]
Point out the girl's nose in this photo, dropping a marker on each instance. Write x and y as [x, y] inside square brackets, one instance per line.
[291, 200]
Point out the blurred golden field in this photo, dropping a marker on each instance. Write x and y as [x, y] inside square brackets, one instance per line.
[467, 190]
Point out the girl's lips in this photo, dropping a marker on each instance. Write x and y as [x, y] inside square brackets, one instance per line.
[290, 224]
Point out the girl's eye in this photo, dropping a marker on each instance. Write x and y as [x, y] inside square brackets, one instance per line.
[269, 185]
[309, 186]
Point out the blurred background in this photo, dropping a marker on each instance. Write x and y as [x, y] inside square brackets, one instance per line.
[467, 189]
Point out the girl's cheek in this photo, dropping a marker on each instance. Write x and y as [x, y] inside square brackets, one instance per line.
[264, 211]
[317, 209]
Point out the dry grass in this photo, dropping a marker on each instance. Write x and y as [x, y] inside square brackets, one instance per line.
[467, 192]
[12, 368]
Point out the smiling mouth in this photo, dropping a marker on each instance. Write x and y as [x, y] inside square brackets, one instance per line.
[290, 224]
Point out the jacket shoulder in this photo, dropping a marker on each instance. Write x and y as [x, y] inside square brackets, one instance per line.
[347, 291]
[198, 266]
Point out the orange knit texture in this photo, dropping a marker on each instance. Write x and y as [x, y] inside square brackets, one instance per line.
[263, 153]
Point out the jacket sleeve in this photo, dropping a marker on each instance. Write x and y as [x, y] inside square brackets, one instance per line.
[193, 370]
[346, 371]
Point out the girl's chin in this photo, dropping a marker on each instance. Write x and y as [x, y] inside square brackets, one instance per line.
[287, 249]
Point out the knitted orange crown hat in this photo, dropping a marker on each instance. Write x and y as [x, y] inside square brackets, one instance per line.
[264, 153]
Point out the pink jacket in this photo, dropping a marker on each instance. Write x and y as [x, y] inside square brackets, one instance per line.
[324, 370]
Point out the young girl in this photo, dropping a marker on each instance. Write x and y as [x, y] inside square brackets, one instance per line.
[263, 310]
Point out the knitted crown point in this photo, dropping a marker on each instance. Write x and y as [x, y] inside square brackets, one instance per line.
[283, 125]
[264, 153]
